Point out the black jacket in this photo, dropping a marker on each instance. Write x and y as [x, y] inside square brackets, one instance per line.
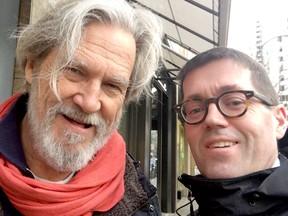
[261, 193]
[140, 198]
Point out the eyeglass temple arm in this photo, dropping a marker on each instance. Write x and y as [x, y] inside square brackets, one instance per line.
[264, 99]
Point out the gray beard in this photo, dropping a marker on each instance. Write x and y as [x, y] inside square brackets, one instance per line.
[65, 154]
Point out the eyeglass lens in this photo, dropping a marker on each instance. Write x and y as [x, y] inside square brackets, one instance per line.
[231, 104]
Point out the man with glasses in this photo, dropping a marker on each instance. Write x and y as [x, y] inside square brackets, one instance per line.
[232, 122]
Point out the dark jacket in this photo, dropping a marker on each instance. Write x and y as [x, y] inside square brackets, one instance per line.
[140, 198]
[261, 193]
[283, 144]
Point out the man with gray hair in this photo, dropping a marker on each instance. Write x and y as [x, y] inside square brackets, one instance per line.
[60, 152]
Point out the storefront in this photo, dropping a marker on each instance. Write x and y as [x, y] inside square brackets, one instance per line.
[153, 134]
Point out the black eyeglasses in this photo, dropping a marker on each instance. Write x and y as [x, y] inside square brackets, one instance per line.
[230, 104]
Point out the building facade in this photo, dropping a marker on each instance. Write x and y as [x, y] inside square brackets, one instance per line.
[152, 132]
[272, 53]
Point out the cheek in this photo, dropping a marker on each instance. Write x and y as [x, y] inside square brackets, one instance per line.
[44, 96]
[67, 89]
[192, 136]
[111, 111]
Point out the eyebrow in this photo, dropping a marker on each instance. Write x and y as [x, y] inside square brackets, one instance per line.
[121, 82]
[117, 80]
[78, 63]
[220, 91]
[230, 87]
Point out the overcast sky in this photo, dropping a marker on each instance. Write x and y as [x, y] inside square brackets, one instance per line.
[244, 14]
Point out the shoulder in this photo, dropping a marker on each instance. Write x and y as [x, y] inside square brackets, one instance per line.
[142, 186]
[140, 198]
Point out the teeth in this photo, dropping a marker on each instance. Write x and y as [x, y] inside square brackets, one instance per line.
[222, 144]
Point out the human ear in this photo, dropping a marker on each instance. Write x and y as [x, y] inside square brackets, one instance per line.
[29, 68]
[281, 117]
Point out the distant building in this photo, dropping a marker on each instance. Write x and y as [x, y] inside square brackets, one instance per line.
[272, 53]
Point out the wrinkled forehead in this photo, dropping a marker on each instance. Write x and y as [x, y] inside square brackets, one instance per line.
[215, 78]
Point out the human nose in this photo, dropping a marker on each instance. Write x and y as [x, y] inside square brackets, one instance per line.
[214, 117]
[88, 98]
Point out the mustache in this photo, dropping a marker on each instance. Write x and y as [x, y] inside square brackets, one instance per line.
[76, 114]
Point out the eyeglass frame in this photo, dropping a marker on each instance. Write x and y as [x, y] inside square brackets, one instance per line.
[248, 94]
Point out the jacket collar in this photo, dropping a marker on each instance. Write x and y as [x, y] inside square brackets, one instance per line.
[247, 195]
[10, 140]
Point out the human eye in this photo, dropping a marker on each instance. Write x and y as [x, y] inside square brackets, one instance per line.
[192, 108]
[233, 101]
[115, 88]
[72, 73]
[72, 70]
[195, 110]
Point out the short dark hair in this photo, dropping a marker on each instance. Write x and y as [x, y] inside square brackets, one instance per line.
[259, 75]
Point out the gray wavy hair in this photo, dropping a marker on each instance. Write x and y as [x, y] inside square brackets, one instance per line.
[62, 28]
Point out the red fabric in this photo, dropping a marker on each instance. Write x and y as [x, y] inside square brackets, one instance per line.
[97, 187]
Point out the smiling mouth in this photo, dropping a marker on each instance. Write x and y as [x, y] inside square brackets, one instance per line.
[222, 144]
[81, 124]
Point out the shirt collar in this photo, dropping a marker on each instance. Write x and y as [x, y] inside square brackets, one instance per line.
[276, 163]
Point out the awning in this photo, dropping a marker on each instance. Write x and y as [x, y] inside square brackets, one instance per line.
[190, 27]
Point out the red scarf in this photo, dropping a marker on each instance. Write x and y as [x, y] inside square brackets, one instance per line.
[97, 187]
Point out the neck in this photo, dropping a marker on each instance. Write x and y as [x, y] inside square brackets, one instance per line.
[36, 164]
